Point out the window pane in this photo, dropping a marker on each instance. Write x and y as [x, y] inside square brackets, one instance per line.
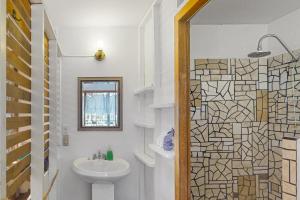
[100, 109]
[100, 85]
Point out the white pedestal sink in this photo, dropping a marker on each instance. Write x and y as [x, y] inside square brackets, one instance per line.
[101, 174]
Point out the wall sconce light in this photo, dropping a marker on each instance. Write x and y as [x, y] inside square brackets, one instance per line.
[100, 55]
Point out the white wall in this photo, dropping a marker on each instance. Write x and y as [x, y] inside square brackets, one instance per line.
[288, 29]
[164, 172]
[167, 12]
[219, 41]
[225, 41]
[122, 53]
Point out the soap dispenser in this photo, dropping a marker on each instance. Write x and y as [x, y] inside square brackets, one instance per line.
[109, 154]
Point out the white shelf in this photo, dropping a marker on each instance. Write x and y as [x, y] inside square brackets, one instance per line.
[163, 105]
[143, 124]
[162, 152]
[144, 90]
[145, 159]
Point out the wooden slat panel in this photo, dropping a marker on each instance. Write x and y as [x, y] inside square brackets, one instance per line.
[17, 138]
[46, 118]
[46, 45]
[21, 11]
[46, 110]
[46, 93]
[12, 188]
[21, 23]
[17, 168]
[46, 51]
[46, 42]
[46, 54]
[27, 7]
[17, 122]
[46, 84]
[20, 6]
[46, 68]
[19, 64]
[15, 31]
[18, 86]
[18, 93]
[16, 107]
[46, 101]
[18, 153]
[20, 51]
[46, 97]
[46, 127]
[46, 145]
[17, 78]
[46, 60]
[46, 136]
[46, 153]
[46, 76]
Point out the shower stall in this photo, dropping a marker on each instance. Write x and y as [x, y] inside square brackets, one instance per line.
[244, 122]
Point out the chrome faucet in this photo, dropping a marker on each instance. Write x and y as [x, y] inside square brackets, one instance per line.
[101, 156]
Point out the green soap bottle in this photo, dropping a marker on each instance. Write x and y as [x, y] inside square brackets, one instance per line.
[109, 154]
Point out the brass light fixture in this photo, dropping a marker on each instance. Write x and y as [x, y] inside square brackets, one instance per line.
[100, 55]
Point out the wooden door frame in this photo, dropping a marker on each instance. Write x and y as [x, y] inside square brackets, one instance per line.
[182, 93]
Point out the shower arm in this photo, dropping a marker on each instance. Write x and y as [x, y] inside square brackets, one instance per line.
[259, 47]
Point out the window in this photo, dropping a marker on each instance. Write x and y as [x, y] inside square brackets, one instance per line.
[100, 104]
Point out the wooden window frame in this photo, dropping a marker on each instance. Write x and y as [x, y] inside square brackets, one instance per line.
[182, 97]
[120, 103]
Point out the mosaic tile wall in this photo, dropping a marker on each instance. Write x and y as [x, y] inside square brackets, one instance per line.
[283, 86]
[289, 168]
[240, 111]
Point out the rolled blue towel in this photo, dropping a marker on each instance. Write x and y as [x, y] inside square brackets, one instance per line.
[168, 140]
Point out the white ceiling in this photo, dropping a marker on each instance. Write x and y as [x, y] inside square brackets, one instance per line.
[244, 11]
[93, 13]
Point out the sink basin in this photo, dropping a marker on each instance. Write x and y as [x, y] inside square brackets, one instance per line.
[101, 171]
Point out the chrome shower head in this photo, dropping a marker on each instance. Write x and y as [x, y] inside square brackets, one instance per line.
[259, 54]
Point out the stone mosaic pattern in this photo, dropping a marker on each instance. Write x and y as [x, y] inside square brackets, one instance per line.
[262, 105]
[217, 90]
[283, 79]
[247, 187]
[231, 111]
[241, 109]
[289, 168]
[229, 129]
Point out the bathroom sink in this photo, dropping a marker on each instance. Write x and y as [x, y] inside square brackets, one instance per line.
[101, 171]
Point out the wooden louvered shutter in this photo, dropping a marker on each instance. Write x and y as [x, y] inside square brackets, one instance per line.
[46, 103]
[18, 92]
